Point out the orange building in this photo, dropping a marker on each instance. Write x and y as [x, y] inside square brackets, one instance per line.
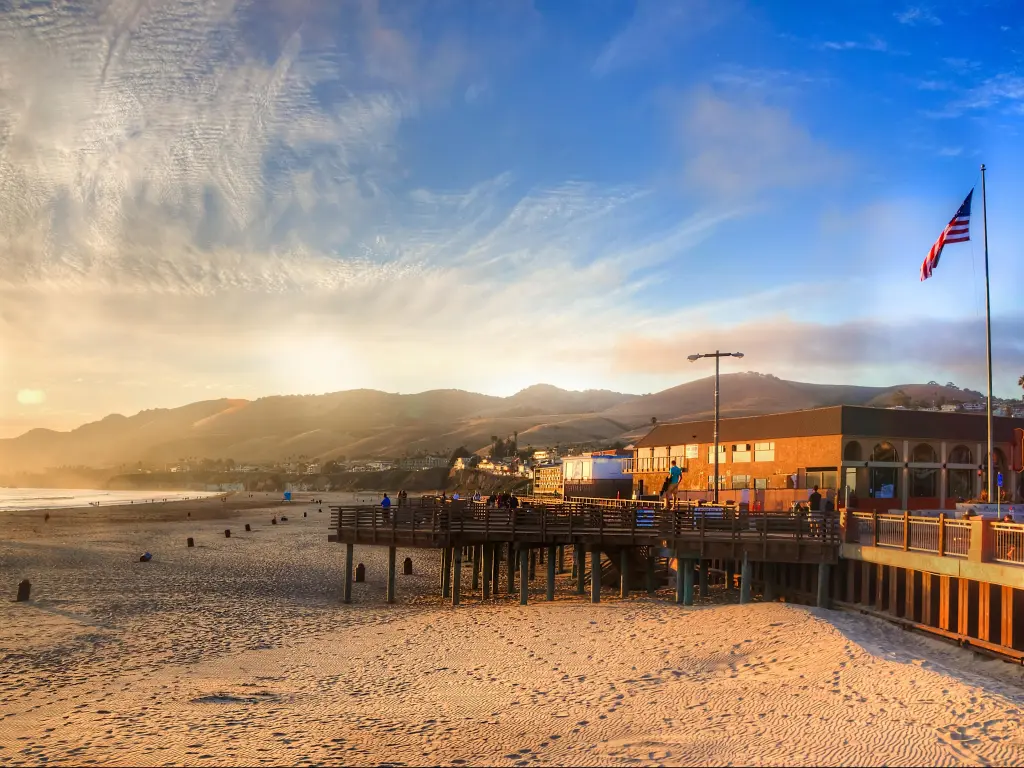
[887, 458]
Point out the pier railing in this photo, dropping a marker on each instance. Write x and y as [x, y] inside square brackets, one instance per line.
[985, 539]
[574, 522]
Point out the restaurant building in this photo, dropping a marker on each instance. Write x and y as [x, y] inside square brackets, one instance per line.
[887, 458]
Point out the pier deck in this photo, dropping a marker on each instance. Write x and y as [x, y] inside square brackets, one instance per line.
[701, 532]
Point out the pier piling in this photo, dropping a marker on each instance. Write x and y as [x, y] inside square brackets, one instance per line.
[579, 568]
[703, 585]
[551, 573]
[392, 551]
[347, 595]
[487, 568]
[524, 575]
[688, 567]
[457, 577]
[595, 574]
[624, 563]
[745, 580]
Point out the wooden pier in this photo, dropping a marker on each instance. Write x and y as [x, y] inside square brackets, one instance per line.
[636, 545]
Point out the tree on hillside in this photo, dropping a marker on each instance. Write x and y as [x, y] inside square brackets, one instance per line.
[1020, 382]
[459, 453]
[899, 397]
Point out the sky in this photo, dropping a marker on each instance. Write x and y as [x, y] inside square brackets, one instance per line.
[219, 198]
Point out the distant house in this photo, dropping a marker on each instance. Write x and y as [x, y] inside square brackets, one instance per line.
[950, 407]
[598, 474]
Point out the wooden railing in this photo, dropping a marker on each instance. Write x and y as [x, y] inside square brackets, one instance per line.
[573, 521]
[940, 536]
[1008, 543]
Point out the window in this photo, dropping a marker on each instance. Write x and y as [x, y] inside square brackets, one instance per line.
[739, 482]
[852, 452]
[924, 454]
[764, 451]
[721, 482]
[741, 453]
[761, 483]
[711, 454]
[885, 452]
[960, 455]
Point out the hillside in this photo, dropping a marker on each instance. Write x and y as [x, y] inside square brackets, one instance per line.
[368, 423]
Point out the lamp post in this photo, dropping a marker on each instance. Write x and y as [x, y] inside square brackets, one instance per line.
[718, 356]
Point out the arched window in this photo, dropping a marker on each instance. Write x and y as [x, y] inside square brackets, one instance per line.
[853, 452]
[924, 481]
[924, 454]
[960, 482]
[884, 481]
[961, 455]
[885, 451]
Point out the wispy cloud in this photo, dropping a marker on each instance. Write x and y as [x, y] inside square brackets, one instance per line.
[1004, 91]
[915, 15]
[740, 147]
[875, 44]
[657, 26]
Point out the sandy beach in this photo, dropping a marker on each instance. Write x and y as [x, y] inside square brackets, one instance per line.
[239, 651]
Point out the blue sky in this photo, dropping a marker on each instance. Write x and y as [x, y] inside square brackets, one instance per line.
[288, 196]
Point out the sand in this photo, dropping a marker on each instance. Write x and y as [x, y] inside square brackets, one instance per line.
[238, 651]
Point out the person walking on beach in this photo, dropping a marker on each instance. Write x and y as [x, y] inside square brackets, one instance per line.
[671, 494]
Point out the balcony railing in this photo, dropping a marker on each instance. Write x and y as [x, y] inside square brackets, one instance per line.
[651, 464]
[940, 536]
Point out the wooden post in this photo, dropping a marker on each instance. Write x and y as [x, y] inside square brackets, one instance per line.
[906, 530]
[984, 610]
[446, 573]
[823, 579]
[190, 542]
[688, 568]
[347, 596]
[942, 534]
[680, 585]
[248, 527]
[650, 573]
[524, 575]
[927, 616]
[703, 583]
[909, 592]
[457, 576]
[495, 568]
[730, 576]
[551, 573]
[768, 583]
[24, 591]
[488, 567]
[963, 613]
[533, 563]
[880, 574]
[579, 566]
[475, 554]
[360, 573]
[407, 567]
[561, 558]
[745, 580]
[624, 572]
[1006, 614]
[595, 573]
[944, 608]
[391, 575]
[511, 567]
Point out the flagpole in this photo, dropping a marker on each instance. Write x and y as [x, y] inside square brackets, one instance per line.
[988, 339]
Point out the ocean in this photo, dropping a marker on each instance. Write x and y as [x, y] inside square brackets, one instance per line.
[64, 498]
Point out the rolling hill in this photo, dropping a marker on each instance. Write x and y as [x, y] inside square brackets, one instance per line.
[368, 423]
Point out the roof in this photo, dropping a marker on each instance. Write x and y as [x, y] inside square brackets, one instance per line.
[850, 420]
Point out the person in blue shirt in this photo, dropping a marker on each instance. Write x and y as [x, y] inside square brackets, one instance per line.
[386, 503]
[672, 489]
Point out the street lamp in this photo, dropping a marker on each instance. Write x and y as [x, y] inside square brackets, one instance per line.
[718, 356]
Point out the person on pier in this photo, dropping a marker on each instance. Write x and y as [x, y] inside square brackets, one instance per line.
[671, 494]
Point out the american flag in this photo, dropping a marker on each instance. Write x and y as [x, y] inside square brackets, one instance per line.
[957, 231]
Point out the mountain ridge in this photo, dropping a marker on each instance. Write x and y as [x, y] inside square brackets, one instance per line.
[366, 423]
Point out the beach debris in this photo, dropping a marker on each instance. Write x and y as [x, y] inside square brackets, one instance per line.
[303, 514]
[24, 590]
[321, 509]
[248, 527]
[407, 567]
[46, 517]
[145, 558]
[360, 573]
[273, 521]
[227, 533]
[284, 519]
[190, 541]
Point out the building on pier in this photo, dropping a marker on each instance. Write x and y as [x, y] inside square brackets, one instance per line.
[887, 458]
